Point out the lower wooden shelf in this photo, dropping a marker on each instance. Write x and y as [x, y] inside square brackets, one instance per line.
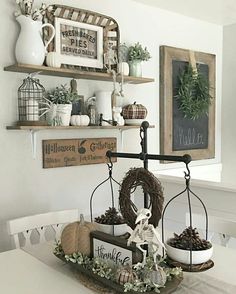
[38, 128]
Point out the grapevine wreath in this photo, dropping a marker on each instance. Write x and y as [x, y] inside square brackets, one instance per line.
[151, 185]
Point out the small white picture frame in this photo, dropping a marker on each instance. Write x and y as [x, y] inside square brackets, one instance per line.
[79, 43]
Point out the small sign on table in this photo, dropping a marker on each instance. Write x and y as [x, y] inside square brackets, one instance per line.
[114, 249]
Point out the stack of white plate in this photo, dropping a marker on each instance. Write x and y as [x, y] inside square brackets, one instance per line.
[133, 122]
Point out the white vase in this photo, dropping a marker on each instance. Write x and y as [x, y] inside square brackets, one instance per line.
[30, 48]
[63, 114]
[135, 68]
[123, 68]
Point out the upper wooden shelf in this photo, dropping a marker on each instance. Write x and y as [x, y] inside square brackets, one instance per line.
[38, 128]
[73, 73]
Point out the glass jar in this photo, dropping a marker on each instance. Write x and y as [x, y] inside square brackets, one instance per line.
[93, 115]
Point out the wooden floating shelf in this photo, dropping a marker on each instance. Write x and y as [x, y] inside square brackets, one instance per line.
[40, 128]
[73, 73]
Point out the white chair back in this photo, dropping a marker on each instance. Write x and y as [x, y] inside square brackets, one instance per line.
[216, 225]
[40, 223]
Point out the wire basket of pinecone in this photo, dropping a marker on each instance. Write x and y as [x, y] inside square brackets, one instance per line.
[179, 247]
[189, 239]
[111, 222]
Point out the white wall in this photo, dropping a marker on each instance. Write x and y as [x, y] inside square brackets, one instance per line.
[26, 188]
[229, 105]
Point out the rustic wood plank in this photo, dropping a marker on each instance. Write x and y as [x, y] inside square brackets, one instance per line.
[62, 12]
[73, 73]
[41, 128]
[100, 20]
[93, 22]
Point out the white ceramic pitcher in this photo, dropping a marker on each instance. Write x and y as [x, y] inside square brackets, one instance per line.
[30, 48]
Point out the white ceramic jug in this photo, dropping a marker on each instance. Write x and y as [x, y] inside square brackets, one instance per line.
[30, 48]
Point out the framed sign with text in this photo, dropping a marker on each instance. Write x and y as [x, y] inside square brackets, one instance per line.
[74, 152]
[114, 249]
[79, 43]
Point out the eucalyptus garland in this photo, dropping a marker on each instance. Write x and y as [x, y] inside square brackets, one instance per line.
[108, 271]
[193, 94]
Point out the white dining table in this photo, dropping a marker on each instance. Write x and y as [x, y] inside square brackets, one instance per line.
[36, 270]
[22, 273]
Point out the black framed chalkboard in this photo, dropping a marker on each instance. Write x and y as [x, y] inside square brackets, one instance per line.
[180, 135]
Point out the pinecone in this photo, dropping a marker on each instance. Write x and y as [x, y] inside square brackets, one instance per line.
[111, 217]
[189, 239]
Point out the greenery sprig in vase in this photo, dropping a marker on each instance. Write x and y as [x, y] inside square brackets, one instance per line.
[60, 100]
[136, 54]
[61, 95]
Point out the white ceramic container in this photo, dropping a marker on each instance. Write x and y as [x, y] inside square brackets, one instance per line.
[118, 229]
[183, 256]
[30, 48]
[63, 114]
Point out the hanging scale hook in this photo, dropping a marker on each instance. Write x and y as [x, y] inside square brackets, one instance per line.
[187, 175]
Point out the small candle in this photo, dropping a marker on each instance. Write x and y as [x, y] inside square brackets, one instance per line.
[32, 109]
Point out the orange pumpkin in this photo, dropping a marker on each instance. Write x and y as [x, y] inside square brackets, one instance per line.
[75, 237]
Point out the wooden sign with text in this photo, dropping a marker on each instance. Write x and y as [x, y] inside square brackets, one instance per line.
[74, 152]
[114, 249]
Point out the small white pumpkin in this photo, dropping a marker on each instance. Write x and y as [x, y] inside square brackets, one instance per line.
[79, 120]
[53, 59]
[158, 276]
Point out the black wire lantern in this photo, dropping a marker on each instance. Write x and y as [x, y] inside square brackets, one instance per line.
[188, 192]
[111, 180]
[31, 102]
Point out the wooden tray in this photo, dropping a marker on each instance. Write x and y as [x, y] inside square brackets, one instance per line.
[169, 287]
[195, 267]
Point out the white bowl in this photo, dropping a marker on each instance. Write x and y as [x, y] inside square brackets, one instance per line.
[118, 229]
[183, 256]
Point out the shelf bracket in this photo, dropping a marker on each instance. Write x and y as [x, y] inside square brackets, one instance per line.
[33, 140]
[121, 139]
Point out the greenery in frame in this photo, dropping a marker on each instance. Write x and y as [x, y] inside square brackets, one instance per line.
[193, 93]
[137, 52]
[108, 271]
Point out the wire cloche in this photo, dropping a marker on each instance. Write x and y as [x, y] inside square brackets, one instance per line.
[31, 102]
